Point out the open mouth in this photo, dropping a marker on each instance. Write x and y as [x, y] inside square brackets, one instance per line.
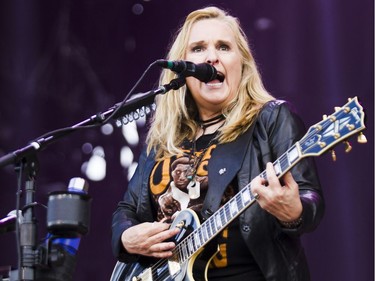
[220, 76]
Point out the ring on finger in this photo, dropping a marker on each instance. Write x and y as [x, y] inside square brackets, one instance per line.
[256, 196]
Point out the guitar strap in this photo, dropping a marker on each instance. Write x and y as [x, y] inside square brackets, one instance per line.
[225, 162]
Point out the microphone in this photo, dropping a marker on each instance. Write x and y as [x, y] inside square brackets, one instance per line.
[202, 71]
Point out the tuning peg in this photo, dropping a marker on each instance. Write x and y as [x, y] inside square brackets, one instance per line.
[333, 154]
[337, 108]
[348, 147]
[325, 116]
[361, 138]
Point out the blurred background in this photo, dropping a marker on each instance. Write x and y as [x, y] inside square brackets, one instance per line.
[63, 61]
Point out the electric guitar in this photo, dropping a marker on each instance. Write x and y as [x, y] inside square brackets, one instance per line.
[193, 236]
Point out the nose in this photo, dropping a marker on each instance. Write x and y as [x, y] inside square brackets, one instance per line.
[212, 56]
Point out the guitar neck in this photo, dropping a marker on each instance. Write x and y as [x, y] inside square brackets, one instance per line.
[231, 210]
[285, 162]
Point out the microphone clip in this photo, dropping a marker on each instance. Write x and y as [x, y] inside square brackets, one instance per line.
[175, 84]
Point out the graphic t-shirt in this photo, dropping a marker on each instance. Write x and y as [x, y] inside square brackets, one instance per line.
[181, 182]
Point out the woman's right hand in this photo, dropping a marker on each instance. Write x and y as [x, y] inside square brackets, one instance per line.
[148, 239]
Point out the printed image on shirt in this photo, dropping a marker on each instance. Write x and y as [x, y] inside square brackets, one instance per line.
[176, 198]
[180, 182]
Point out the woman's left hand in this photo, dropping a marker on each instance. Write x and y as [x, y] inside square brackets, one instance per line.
[283, 202]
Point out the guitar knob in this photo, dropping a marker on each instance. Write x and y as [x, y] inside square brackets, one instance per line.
[362, 138]
[333, 154]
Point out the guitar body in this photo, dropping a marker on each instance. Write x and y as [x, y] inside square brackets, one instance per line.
[167, 269]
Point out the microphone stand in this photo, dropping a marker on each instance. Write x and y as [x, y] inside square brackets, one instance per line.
[115, 112]
[25, 158]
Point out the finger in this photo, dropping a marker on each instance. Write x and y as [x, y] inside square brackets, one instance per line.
[161, 254]
[157, 227]
[164, 235]
[255, 184]
[289, 180]
[271, 175]
[162, 247]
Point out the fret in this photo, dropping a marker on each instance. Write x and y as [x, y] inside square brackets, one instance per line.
[218, 220]
[184, 252]
[293, 154]
[227, 213]
[229, 209]
[233, 207]
[177, 254]
[195, 243]
[284, 163]
[192, 243]
[200, 235]
[245, 195]
[277, 167]
[239, 201]
[197, 239]
[204, 232]
[209, 231]
[222, 217]
[190, 247]
[213, 225]
[181, 256]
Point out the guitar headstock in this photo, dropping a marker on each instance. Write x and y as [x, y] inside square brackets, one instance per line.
[333, 129]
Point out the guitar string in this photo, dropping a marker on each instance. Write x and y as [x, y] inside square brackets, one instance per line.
[282, 159]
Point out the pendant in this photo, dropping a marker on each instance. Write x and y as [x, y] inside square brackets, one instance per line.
[194, 189]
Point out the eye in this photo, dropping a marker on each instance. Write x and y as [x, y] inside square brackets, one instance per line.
[224, 47]
[197, 49]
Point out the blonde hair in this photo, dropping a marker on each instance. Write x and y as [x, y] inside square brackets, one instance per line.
[176, 113]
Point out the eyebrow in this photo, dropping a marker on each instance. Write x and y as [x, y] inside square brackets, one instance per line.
[228, 42]
[196, 42]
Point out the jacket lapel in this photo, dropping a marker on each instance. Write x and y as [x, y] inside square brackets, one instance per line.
[224, 164]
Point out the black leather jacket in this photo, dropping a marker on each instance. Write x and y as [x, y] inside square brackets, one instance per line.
[277, 250]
